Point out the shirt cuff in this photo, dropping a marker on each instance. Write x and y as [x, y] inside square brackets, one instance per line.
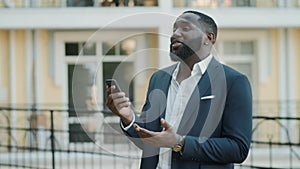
[127, 127]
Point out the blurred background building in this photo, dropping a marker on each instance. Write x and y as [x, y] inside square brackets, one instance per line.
[56, 55]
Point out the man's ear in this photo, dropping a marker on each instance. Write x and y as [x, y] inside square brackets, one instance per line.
[211, 36]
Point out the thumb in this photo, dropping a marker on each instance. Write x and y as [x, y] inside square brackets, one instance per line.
[164, 124]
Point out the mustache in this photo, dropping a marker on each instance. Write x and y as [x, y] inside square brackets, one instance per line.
[184, 45]
[181, 54]
[175, 40]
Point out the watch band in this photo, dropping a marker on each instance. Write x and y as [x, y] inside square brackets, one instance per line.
[178, 146]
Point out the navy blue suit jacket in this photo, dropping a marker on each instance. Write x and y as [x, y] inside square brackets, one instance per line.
[217, 121]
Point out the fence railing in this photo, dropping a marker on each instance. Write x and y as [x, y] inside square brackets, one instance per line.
[75, 3]
[237, 3]
[150, 3]
[45, 138]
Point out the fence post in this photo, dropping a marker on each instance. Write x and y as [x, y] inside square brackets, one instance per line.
[52, 139]
[270, 151]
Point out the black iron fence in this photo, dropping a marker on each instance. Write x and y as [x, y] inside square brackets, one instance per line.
[42, 138]
[45, 138]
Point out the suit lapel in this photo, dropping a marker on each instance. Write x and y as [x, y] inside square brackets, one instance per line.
[193, 106]
[166, 82]
[209, 76]
[166, 79]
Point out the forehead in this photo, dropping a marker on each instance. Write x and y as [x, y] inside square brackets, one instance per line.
[189, 18]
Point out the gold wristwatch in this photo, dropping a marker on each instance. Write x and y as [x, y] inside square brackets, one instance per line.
[178, 147]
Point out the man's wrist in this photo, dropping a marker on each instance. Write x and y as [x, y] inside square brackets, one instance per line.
[178, 147]
[126, 120]
[127, 126]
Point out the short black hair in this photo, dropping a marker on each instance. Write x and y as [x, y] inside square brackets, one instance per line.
[206, 21]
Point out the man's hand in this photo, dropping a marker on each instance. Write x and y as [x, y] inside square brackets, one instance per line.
[165, 138]
[119, 105]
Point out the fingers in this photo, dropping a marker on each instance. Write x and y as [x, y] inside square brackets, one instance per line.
[122, 102]
[164, 124]
[116, 101]
[110, 90]
[119, 103]
[117, 95]
[143, 133]
[146, 135]
[117, 98]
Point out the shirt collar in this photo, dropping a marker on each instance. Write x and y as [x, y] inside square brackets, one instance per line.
[199, 67]
[202, 65]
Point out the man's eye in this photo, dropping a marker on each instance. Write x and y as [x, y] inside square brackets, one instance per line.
[185, 29]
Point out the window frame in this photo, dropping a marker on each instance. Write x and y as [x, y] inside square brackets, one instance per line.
[261, 67]
[61, 60]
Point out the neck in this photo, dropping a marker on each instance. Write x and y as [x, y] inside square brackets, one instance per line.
[183, 72]
[186, 67]
[192, 60]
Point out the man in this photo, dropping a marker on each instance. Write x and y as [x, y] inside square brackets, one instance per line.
[198, 112]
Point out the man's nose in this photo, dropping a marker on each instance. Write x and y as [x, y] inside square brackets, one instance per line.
[176, 33]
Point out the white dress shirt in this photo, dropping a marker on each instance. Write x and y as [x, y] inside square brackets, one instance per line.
[178, 97]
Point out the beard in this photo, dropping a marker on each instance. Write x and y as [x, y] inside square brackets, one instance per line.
[185, 51]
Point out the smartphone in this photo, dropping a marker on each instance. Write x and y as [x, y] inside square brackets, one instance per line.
[111, 82]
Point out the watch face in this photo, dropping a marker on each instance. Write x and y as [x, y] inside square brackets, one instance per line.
[177, 148]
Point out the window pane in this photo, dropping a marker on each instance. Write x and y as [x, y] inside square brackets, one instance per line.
[242, 3]
[196, 3]
[128, 47]
[247, 48]
[77, 134]
[108, 49]
[81, 92]
[230, 48]
[244, 68]
[81, 78]
[89, 49]
[79, 3]
[125, 47]
[71, 49]
[146, 2]
[123, 73]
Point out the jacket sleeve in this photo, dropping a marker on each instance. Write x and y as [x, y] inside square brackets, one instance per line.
[140, 120]
[236, 127]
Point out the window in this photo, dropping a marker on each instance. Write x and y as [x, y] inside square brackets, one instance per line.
[125, 47]
[88, 64]
[214, 3]
[82, 48]
[112, 69]
[80, 3]
[243, 3]
[241, 55]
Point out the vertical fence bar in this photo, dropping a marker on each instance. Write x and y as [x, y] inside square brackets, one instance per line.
[52, 139]
[270, 152]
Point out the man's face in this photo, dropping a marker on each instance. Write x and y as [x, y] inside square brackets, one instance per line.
[187, 37]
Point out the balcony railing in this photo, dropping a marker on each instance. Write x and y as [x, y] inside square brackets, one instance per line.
[237, 3]
[74, 3]
[150, 3]
[48, 138]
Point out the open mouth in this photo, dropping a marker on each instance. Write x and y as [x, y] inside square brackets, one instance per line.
[176, 44]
